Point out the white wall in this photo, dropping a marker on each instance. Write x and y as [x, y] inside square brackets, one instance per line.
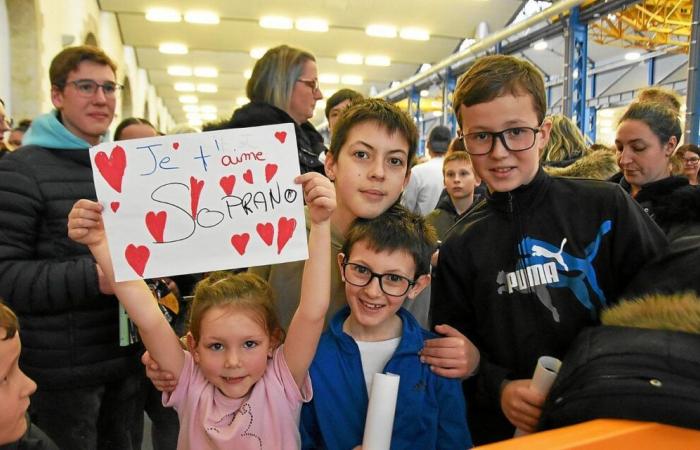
[5, 61]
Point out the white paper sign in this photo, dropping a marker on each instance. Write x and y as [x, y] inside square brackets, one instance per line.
[200, 202]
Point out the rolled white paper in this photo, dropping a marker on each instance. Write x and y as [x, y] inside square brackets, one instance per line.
[380, 412]
[545, 373]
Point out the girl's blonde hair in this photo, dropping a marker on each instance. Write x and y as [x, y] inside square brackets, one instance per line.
[565, 141]
[245, 291]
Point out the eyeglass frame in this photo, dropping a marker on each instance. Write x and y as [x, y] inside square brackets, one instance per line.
[379, 277]
[690, 160]
[499, 135]
[314, 84]
[117, 87]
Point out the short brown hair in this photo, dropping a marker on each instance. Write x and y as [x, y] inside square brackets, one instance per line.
[8, 321]
[70, 58]
[383, 114]
[497, 75]
[666, 97]
[456, 156]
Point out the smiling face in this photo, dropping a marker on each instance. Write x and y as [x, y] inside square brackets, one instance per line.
[691, 164]
[87, 117]
[15, 389]
[232, 350]
[304, 97]
[373, 313]
[369, 171]
[501, 169]
[641, 155]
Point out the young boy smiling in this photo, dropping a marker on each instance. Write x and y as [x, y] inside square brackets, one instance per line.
[383, 262]
[535, 263]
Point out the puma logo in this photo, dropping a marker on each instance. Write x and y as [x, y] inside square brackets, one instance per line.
[541, 251]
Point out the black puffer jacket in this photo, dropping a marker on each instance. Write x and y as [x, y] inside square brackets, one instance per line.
[309, 141]
[70, 332]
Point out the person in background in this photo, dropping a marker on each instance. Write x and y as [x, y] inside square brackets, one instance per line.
[566, 143]
[339, 102]
[89, 387]
[283, 88]
[689, 155]
[14, 138]
[664, 96]
[425, 185]
[5, 126]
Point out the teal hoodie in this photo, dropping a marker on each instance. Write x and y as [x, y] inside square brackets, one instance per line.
[46, 131]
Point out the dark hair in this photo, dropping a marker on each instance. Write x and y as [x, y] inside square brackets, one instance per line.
[128, 122]
[660, 95]
[457, 145]
[23, 125]
[396, 229]
[339, 97]
[662, 120]
[68, 60]
[8, 321]
[242, 291]
[497, 75]
[688, 148]
[383, 114]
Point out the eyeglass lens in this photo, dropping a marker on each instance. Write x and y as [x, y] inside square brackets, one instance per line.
[390, 284]
[513, 139]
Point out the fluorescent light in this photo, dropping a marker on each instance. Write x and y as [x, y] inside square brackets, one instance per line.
[189, 99]
[354, 80]
[383, 31]
[414, 34]
[257, 52]
[276, 22]
[206, 72]
[378, 60]
[190, 108]
[240, 101]
[540, 45]
[184, 87]
[210, 116]
[349, 58]
[207, 87]
[162, 15]
[247, 74]
[208, 109]
[424, 93]
[173, 48]
[180, 71]
[312, 24]
[329, 78]
[201, 17]
[632, 56]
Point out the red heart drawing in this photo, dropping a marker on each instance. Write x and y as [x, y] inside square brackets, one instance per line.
[239, 242]
[266, 231]
[137, 257]
[155, 222]
[196, 187]
[270, 171]
[112, 167]
[114, 206]
[281, 136]
[227, 184]
[248, 176]
[285, 230]
[176, 145]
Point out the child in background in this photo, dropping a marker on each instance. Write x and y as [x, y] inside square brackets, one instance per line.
[535, 263]
[459, 179]
[383, 261]
[238, 386]
[16, 431]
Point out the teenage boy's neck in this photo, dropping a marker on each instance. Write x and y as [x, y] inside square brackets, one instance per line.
[341, 220]
[462, 204]
[389, 329]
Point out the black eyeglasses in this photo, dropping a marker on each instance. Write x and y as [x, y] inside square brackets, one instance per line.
[313, 84]
[390, 283]
[690, 161]
[88, 88]
[515, 139]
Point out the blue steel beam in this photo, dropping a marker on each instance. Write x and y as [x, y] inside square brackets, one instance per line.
[575, 70]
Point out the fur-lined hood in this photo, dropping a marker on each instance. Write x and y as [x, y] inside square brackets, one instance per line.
[674, 312]
[597, 165]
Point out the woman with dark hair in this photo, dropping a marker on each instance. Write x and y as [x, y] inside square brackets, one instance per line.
[689, 155]
[647, 135]
[283, 88]
[134, 128]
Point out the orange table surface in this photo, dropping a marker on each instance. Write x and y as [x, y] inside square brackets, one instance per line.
[605, 434]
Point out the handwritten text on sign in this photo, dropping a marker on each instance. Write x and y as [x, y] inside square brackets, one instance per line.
[200, 202]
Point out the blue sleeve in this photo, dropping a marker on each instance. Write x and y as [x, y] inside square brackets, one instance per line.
[453, 432]
[308, 427]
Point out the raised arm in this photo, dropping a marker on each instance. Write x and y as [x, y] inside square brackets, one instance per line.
[307, 324]
[85, 226]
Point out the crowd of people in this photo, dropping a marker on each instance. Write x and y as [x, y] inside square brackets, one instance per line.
[509, 241]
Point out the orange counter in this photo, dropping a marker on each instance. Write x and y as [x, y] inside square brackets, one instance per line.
[605, 434]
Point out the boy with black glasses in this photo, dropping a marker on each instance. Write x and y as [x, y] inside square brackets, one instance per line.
[383, 261]
[535, 263]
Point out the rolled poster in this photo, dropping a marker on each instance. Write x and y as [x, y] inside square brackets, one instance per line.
[380, 412]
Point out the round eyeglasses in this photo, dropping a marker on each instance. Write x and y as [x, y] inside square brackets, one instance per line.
[88, 88]
[390, 283]
[516, 139]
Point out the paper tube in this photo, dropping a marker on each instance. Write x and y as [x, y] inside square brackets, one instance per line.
[380, 412]
[545, 373]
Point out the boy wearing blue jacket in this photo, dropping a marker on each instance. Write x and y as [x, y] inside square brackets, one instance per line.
[384, 261]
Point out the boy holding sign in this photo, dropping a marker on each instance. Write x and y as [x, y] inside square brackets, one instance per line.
[383, 262]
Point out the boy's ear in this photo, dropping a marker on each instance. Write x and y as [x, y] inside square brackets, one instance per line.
[545, 129]
[329, 166]
[406, 179]
[57, 97]
[192, 347]
[421, 283]
[341, 258]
